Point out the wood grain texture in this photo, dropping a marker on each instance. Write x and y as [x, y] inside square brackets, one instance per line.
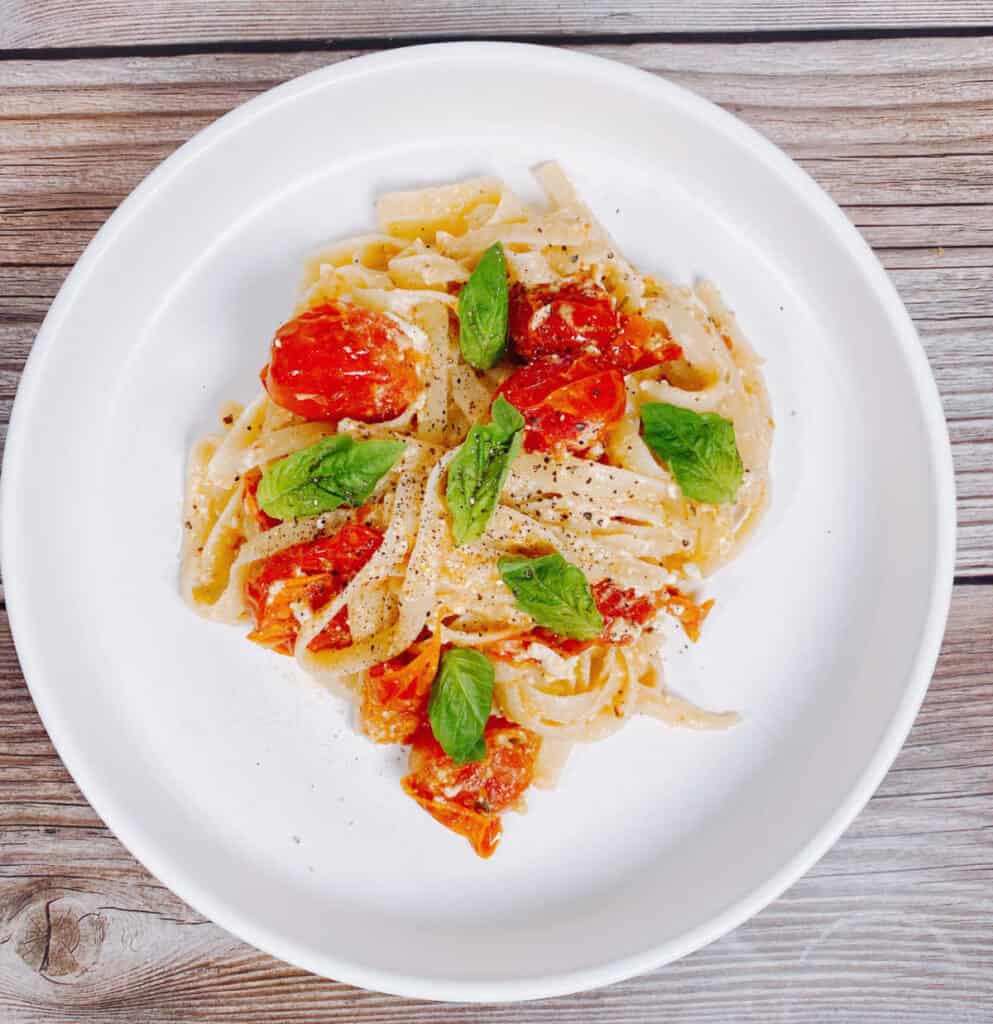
[892, 925]
[42, 23]
[895, 130]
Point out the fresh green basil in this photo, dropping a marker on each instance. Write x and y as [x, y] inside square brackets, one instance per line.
[336, 471]
[460, 703]
[483, 311]
[479, 470]
[699, 449]
[554, 593]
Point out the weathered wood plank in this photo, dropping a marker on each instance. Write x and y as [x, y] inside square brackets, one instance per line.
[910, 96]
[939, 225]
[891, 925]
[47, 23]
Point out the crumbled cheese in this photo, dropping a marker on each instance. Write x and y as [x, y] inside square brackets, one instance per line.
[301, 612]
[539, 316]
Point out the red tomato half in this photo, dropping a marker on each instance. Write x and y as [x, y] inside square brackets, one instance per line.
[313, 573]
[339, 360]
[469, 798]
[579, 318]
[567, 406]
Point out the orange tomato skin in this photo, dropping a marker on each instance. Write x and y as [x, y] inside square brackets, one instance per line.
[690, 614]
[469, 798]
[313, 572]
[566, 406]
[339, 360]
[395, 693]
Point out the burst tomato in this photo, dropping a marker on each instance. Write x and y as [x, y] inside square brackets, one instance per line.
[339, 360]
[567, 406]
[622, 604]
[563, 320]
[312, 573]
[690, 614]
[469, 798]
[642, 343]
[395, 693]
[579, 318]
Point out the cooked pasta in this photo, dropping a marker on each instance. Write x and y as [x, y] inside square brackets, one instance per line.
[369, 583]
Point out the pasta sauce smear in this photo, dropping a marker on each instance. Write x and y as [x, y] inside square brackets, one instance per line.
[490, 466]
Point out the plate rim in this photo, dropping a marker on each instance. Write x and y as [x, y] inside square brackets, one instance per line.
[175, 877]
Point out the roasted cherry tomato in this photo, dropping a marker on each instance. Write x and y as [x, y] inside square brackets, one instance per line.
[563, 320]
[622, 604]
[312, 573]
[339, 360]
[566, 405]
[469, 798]
[579, 318]
[642, 343]
[395, 693]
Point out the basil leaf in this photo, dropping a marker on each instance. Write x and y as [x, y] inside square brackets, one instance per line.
[479, 470]
[336, 471]
[483, 311]
[699, 449]
[554, 593]
[460, 703]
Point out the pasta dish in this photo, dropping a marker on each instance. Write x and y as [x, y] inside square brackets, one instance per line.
[488, 468]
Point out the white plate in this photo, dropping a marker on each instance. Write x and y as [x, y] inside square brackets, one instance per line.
[241, 784]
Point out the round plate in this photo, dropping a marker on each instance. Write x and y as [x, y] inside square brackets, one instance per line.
[241, 784]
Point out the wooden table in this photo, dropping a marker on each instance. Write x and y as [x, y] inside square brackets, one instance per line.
[890, 107]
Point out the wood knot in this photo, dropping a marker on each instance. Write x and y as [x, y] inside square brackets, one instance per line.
[58, 939]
